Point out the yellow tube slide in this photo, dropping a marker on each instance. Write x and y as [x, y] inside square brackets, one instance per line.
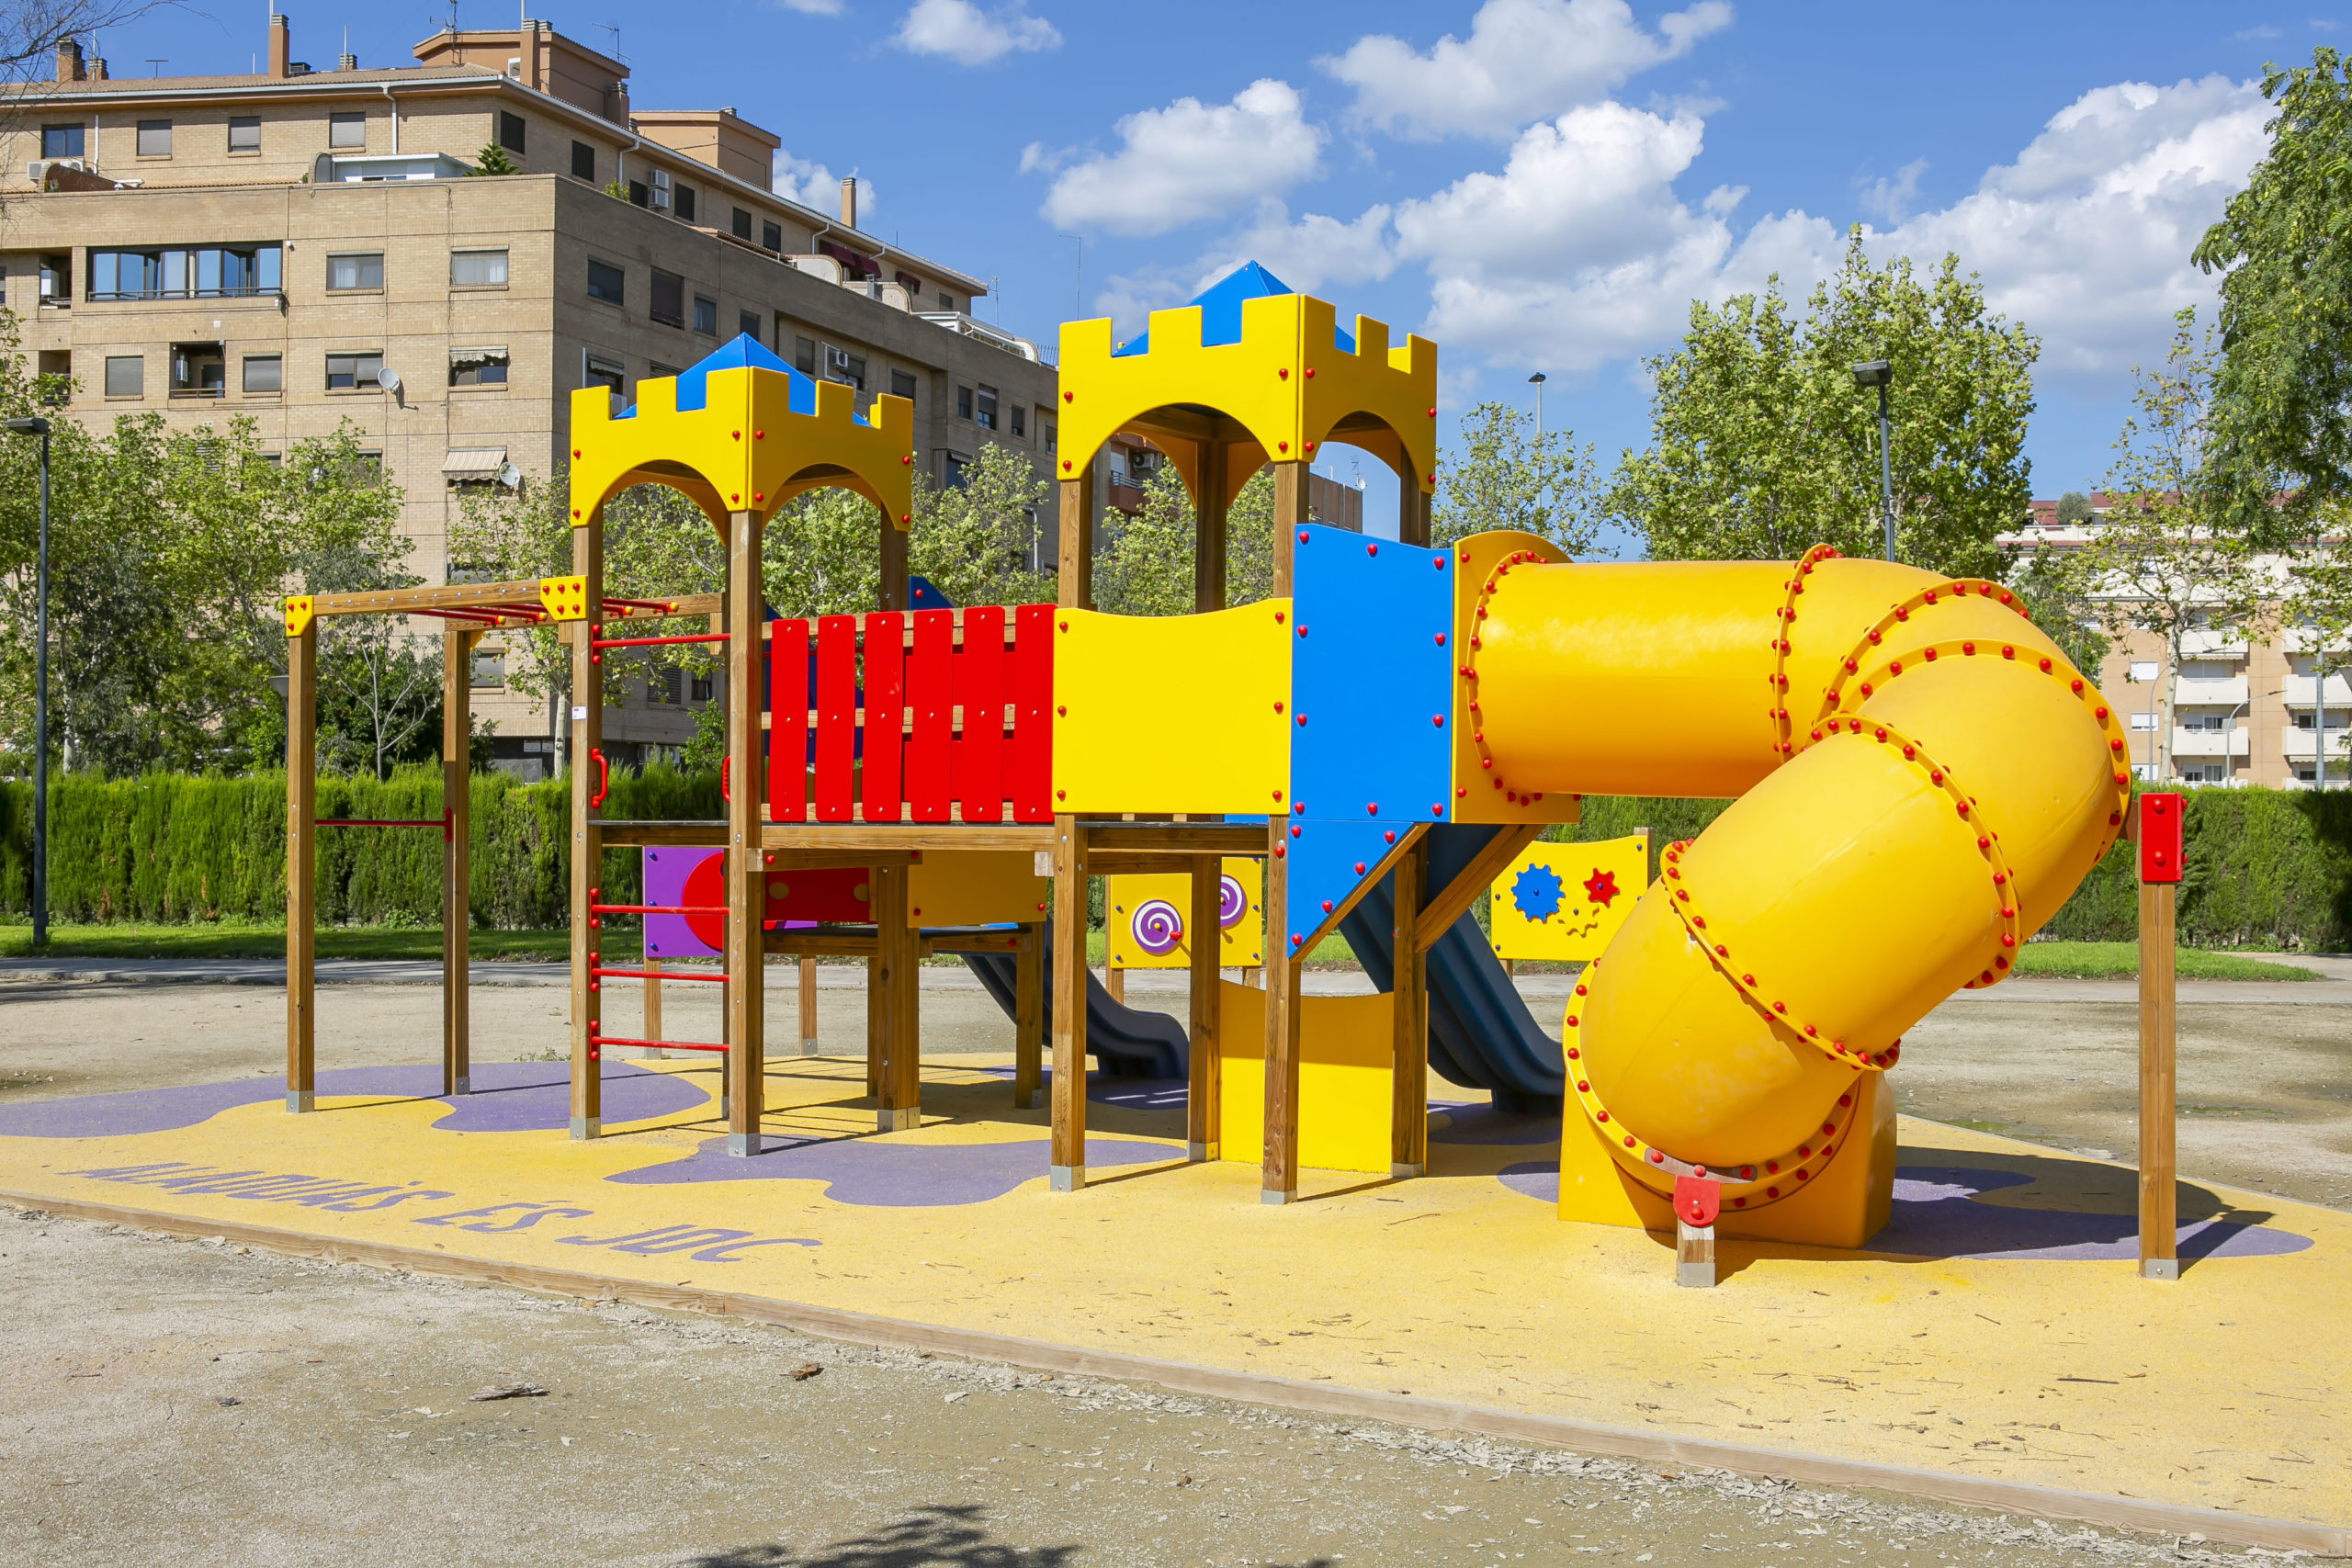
[1921, 780]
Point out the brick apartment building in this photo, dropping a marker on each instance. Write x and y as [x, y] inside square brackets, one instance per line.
[2249, 710]
[306, 246]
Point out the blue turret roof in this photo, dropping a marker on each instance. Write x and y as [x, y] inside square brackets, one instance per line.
[745, 351]
[1220, 305]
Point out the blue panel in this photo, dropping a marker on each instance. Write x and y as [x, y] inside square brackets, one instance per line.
[1370, 689]
[1220, 305]
[745, 351]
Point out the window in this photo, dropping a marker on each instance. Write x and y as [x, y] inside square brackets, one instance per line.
[604, 281]
[638, 194]
[706, 316]
[962, 402]
[207, 271]
[598, 370]
[490, 668]
[686, 203]
[199, 370]
[739, 224]
[126, 375]
[358, 270]
[510, 130]
[985, 417]
[61, 140]
[902, 385]
[583, 162]
[1021, 425]
[702, 688]
[2143, 721]
[352, 372]
[843, 365]
[957, 464]
[245, 134]
[264, 373]
[2142, 669]
[656, 370]
[659, 182]
[668, 304]
[57, 279]
[476, 367]
[747, 322]
[667, 686]
[804, 356]
[1052, 431]
[348, 130]
[947, 300]
[154, 138]
[771, 237]
[478, 269]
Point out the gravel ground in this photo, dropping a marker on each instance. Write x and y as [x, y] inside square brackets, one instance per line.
[190, 1401]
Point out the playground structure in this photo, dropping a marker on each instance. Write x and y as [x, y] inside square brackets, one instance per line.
[1921, 780]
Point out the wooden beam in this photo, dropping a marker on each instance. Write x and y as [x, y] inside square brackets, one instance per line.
[2159, 1219]
[1412, 504]
[807, 999]
[1066, 1172]
[1409, 1134]
[1292, 512]
[1186, 839]
[663, 835]
[1278, 1175]
[1363, 885]
[1208, 528]
[1028, 1016]
[1204, 1110]
[653, 1002]
[456, 902]
[1076, 554]
[587, 835]
[746, 881]
[782, 836]
[894, 981]
[302, 867]
[893, 593]
[1449, 904]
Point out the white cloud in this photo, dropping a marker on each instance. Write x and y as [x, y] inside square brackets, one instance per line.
[1308, 254]
[1038, 155]
[810, 8]
[1525, 60]
[1891, 200]
[812, 184]
[961, 31]
[1190, 160]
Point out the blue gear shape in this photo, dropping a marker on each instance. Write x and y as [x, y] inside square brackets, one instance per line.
[1536, 893]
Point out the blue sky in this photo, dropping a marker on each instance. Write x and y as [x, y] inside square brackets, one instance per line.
[1537, 184]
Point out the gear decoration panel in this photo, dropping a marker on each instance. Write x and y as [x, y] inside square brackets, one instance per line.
[1368, 729]
[1564, 902]
[1148, 917]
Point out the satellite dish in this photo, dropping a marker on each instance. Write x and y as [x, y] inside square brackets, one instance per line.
[510, 476]
[388, 379]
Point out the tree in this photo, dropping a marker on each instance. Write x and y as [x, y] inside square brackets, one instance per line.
[492, 159]
[2282, 396]
[1504, 478]
[1761, 445]
[1144, 565]
[2163, 562]
[2074, 510]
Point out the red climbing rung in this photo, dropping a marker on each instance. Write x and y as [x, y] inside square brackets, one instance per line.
[656, 1044]
[379, 822]
[655, 641]
[660, 974]
[657, 908]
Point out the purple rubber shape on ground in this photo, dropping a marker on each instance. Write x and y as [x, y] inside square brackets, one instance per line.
[871, 1173]
[1476, 1121]
[508, 1097]
[1133, 1094]
[1937, 1216]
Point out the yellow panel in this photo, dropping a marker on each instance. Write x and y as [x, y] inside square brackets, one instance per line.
[1346, 1048]
[1173, 713]
[976, 887]
[1241, 944]
[566, 598]
[1486, 787]
[1576, 898]
[300, 612]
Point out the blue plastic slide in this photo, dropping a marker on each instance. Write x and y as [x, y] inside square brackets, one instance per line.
[1127, 1043]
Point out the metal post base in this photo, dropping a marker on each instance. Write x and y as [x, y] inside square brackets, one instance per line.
[298, 1101]
[1694, 1255]
[1065, 1177]
[465, 1085]
[1399, 1172]
[1277, 1198]
[742, 1144]
[2160, 1267]
[904, 1120]
[1200, 1154]
[808, 1047]
[726, 1107]
[1037, 1101]
[586, 1127]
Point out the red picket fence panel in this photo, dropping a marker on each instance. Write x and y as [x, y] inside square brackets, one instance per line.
[788, 721]
[931, 693]
[978, 683]
[1029, 687]
[886, 706]
[836, 714]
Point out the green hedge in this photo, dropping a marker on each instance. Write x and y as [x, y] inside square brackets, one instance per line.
[168, 848]
[2267, 869]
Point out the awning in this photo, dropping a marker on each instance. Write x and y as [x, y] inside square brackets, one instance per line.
[473, 462]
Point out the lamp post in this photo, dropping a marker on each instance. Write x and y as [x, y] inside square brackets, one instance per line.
[41, 692]
[1537, 381]
[1880, 374]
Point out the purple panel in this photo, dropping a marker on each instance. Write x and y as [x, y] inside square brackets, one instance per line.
[668, 936]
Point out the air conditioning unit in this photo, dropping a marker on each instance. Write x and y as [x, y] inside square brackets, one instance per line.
[660, 181]
[39, 166]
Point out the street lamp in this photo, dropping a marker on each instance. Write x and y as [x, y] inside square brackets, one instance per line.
[1537, 381]
[41, 692]
[1880, 374]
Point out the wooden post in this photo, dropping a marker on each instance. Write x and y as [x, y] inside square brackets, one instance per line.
[877, 1021]
[893, 593]
[1412, 506]
[301, 866]
[456, 901]
[1409, 1134]
[2159, 1257]
[1204, 1110]
[808, 1005]
[1115, 982]
[587, 838]
[1067, 1170]
[1291, 513]
[1694, 1253]
[1208, 528]
[1028, 1016]
[1278, 1180]
[1077, 529]
[746, 886]
[898, 955]
[653, 1002]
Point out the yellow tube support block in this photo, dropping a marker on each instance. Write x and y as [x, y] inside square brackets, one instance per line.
[1922, 779]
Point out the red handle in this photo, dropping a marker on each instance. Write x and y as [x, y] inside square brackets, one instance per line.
[604, 778]
[723, 792]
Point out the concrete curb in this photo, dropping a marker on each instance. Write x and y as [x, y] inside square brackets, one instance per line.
[1402, 1410]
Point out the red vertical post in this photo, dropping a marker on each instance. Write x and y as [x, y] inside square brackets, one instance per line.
[1029, 680]
[788, 722]
[836, 714]
[977, 772]
[931, 697]
[886, 706]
